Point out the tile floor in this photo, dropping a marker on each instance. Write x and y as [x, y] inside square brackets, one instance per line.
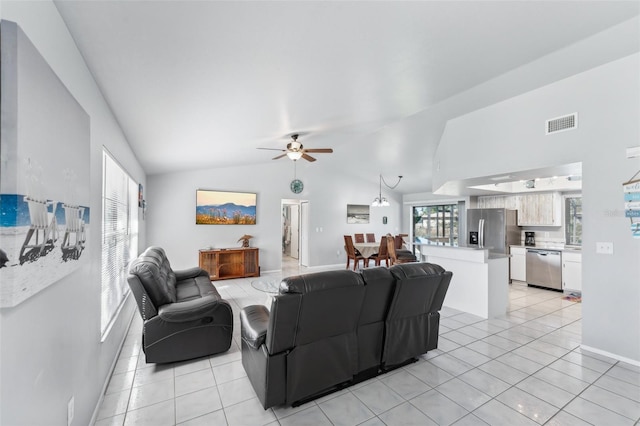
[525, 368]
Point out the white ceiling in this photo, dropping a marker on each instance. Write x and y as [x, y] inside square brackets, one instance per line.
[199, 84]
[563, 177]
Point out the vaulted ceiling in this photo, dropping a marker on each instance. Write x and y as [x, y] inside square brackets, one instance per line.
[199, 84]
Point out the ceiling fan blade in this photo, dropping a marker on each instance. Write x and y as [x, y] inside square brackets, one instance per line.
[307, 157]
[320, 150]
[279, 156]
[273, 149]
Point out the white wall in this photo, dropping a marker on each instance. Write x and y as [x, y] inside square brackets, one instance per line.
[509, 136]
[50, 343]
[171, 213]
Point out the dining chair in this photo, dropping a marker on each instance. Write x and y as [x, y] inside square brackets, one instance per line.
[382, 254]
[371, 238]
[359, 238]
[399, 244]
[395, 257]
[353, 253]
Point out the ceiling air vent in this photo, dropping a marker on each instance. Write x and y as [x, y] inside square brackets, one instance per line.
[561, 124]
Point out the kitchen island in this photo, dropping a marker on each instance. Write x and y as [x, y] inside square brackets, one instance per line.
[480, 282]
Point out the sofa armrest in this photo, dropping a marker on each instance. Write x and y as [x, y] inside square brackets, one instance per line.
[190, 273]
[191, 309]
[254, 321]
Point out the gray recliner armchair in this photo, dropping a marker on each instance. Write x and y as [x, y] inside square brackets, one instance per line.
[332, 329]
[183, 314]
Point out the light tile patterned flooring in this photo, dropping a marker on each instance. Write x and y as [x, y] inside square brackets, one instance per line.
[525, 368]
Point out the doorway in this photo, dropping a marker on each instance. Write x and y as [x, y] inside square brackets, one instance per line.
[295, 215]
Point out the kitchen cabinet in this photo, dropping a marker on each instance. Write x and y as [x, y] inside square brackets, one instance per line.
[534, 209]
[498, 202]
[511, 202]
[572, 271]
[540, 209]
[491, 202]
[518, 266]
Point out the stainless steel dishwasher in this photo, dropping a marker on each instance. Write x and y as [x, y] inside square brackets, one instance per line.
[544, 268]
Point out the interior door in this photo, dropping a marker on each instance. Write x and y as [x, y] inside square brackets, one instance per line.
[295, 231]
[286, 231]
[304, 233]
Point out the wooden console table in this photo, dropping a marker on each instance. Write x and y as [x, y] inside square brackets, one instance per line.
[230, 263]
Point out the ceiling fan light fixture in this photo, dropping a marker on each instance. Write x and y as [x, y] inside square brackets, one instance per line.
[294, 155]
[296, 151]
[294, 145]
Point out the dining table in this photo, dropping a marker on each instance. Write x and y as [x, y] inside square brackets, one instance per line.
[367, 249]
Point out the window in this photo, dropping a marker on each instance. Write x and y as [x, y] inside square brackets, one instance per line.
[119, 237]
[436, 224]
[573, 221]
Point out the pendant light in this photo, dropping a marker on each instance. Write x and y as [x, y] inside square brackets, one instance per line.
[381, 201]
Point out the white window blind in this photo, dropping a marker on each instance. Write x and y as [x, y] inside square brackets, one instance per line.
[119, 237]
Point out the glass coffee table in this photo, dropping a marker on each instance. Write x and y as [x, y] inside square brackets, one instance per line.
[267, 285]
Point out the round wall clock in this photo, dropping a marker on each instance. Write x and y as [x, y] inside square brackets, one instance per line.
[296, 186]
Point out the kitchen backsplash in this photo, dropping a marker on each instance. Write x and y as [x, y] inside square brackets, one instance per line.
[545, 237]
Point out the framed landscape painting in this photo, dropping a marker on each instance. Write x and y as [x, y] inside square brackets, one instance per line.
[357, 213]
[225, 208]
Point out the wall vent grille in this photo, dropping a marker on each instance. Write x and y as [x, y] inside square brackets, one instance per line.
[562, 124]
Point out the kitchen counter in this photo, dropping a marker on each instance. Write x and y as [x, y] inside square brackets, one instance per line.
[498, 256]
[480, 281]
[548, 247]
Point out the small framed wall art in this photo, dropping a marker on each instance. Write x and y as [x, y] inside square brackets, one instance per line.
[357, 213]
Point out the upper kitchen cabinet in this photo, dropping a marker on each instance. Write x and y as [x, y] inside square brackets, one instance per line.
[498, 202]
[540, 209]
[491, 202]
[537, 194]
[535, 209]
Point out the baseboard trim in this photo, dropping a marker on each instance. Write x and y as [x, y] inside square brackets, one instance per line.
[94, 417]
[611, 355]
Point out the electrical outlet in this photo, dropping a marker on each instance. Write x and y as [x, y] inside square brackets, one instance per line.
[70, 411]
[604, 248]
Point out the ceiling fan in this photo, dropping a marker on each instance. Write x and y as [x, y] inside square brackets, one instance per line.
[295, 150]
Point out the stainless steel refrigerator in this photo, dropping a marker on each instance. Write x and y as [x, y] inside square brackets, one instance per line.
[493, 229]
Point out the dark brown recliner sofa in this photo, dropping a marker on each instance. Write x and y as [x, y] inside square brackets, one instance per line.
[183, 315]
[329, 330]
